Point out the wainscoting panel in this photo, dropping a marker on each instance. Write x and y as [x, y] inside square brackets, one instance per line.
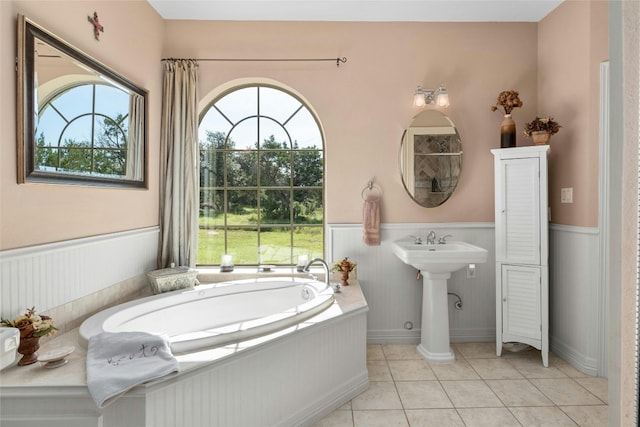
[394, 293]
[575, 294]
[293, 381]
[50, 275]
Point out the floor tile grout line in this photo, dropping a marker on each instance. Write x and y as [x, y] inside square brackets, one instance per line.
[484, 380]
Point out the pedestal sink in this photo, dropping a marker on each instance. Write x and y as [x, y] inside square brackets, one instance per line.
[436, 262]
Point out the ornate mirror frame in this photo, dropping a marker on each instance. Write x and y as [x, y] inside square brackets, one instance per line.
[130, 146]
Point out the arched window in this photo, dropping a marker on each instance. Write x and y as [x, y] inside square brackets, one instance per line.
[82, 129]
[261, 178]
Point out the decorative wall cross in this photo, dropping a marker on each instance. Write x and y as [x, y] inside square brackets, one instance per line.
[97, 27]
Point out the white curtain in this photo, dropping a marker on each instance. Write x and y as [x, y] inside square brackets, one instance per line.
[135, 143]
[179, 164]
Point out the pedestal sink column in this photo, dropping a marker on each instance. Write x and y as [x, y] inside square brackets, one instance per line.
[434, 345]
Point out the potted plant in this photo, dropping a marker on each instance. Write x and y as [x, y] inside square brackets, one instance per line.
[32, 327]
[540, 129]
[506, 102]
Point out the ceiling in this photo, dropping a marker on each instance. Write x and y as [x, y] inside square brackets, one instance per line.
[357, 10]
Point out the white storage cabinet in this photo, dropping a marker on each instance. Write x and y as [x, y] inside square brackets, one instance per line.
[522, 247]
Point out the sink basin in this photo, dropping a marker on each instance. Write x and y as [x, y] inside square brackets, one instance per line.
[444, 258]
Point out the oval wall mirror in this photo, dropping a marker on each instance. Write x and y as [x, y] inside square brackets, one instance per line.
[79, 122]
[430, 158]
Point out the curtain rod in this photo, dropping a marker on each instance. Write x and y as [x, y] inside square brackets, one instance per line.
[338, 60]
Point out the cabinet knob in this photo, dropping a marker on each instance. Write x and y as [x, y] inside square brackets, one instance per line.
[504, 300]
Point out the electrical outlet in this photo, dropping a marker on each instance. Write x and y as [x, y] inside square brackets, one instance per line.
[471, 271]
[566, 195]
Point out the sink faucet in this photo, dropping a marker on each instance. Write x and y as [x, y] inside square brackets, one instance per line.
[431, 238]
[326, 271]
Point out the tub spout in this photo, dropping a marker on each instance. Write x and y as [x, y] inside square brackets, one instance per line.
[326, 270]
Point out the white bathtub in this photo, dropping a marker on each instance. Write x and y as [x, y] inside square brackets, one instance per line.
[216, 314]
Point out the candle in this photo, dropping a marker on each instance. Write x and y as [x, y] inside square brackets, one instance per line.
[302, 262]
[226, 264]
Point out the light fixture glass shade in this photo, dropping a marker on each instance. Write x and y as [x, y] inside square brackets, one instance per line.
[443, 100]
[418, 98]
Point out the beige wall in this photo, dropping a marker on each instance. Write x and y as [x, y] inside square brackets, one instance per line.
[364, 104]
[568, 90]
[38, 213]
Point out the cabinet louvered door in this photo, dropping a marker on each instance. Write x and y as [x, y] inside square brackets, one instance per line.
[521, 308]
[518, 216]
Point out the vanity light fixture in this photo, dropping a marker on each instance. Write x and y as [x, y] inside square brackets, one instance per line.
[438, 97]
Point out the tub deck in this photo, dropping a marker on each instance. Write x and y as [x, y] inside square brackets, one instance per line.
[320, 364]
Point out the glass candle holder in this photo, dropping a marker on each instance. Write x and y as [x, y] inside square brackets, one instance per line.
[302, 262]
[226, 264]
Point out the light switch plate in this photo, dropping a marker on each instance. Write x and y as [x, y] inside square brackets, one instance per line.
[566, 195]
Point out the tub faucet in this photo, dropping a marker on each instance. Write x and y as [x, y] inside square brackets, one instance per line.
[431, 238]
[326, 271]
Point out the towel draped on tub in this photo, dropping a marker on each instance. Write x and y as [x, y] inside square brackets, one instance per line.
[117, 362]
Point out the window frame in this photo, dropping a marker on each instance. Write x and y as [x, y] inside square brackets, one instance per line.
[259, 226]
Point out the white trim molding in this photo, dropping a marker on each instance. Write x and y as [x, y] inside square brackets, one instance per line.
[603, 218]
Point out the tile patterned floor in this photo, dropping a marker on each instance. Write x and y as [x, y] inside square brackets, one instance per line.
[478, 389]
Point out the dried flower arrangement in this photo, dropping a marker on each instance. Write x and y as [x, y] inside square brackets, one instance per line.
[507, 101]
[344, 265]
[542, 124]
[31, 324]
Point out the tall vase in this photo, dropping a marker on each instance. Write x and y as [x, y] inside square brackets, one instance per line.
[508, 132]
[28, 347]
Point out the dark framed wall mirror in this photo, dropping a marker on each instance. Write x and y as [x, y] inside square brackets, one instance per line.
[79, 122]
[430, 158]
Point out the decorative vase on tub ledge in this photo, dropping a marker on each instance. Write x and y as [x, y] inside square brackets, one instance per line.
[344, 266]
[32, 327]
[28, 348]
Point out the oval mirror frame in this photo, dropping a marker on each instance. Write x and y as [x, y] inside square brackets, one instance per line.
[113, 152]
[430, 158]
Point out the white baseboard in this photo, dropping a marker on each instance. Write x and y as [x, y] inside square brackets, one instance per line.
[588, 365]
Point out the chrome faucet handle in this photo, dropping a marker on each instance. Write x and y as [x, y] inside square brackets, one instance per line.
[417, 241]
[443, 240]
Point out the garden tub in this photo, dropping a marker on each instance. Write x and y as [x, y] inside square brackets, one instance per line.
[218, 314]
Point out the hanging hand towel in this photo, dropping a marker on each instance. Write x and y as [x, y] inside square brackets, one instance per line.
[371, 221]
[117, 362]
